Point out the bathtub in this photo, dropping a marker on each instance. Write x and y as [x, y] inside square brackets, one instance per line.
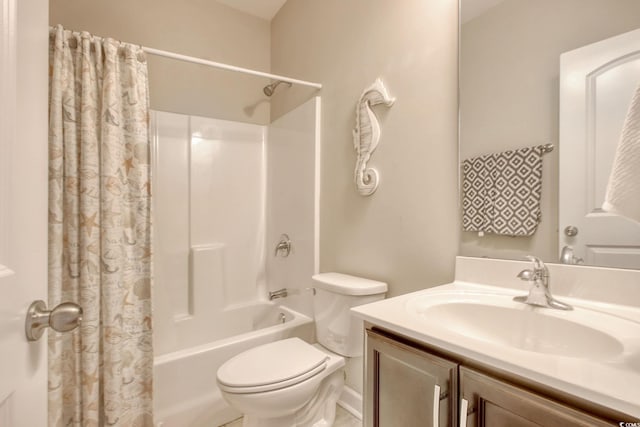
[185, 390]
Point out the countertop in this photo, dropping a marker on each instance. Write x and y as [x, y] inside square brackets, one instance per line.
[612, 382]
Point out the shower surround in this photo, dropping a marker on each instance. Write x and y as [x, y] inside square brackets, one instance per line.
[224, 193]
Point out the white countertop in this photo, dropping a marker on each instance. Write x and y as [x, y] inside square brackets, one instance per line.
[613, 383]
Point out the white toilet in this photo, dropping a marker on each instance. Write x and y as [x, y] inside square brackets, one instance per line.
[292, 383]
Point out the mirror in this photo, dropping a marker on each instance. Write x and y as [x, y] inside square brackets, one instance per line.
[510, 92]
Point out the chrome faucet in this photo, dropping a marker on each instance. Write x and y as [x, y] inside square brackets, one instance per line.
[539, 294]
[284, 246]
[280, 293]
[285, 292]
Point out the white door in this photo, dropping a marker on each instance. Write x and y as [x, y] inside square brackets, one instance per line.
[596, 85]
[23, 207]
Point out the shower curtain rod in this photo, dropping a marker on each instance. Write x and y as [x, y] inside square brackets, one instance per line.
[201, 61]
[223, 66]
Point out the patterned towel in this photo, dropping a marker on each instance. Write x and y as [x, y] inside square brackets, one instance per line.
[501, 192]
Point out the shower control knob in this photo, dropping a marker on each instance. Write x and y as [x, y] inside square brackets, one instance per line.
[64, 317]
[570, 231]
[284, 246]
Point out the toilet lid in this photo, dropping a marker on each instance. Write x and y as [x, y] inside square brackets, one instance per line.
[272, 364]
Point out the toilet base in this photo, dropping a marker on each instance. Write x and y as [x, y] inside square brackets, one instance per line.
[320, 411]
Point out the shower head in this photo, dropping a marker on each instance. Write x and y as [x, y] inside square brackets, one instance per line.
[269, 89]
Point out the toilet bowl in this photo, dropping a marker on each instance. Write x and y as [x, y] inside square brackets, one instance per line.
[289, 373]
[293, 383]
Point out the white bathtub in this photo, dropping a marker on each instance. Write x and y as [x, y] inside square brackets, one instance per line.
[185, 390]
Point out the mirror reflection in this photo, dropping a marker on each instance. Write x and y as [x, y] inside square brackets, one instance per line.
[538, 72]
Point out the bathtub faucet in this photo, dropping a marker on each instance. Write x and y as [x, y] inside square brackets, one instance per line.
[280, 293]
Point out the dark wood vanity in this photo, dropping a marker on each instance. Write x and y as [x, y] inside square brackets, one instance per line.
[408, 383]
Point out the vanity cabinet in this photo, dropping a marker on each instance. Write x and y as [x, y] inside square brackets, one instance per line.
[409, 386]
[487, 401]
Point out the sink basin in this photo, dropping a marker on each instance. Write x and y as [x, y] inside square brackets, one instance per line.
[497, 319]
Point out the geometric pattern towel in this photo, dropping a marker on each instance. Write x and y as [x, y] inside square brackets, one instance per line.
[501, 192]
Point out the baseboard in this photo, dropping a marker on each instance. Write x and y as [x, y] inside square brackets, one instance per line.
[351, 401]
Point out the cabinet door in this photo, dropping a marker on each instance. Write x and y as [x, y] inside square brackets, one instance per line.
[406, 386]
[493, 403]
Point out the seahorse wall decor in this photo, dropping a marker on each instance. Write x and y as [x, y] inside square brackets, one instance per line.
[367, 134]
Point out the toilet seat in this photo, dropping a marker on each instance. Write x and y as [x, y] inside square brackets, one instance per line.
[271, 366]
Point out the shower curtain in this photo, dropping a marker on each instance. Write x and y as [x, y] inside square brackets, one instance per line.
[100, 231]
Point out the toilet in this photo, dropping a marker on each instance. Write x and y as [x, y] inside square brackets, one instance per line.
[290, 382]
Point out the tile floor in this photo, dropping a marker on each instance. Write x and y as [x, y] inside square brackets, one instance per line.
[343, 419]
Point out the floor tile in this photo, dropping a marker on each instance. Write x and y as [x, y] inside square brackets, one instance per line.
[343, 419]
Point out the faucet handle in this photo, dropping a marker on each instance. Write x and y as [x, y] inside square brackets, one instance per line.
[537, 262]
[539, 269]
[283, 245]
[527, 275]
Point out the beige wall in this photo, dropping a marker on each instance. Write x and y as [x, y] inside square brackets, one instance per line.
[201, 28]
[509, 93]
[406, 233]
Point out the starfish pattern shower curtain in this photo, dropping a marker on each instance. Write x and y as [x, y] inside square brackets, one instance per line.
[100, 231]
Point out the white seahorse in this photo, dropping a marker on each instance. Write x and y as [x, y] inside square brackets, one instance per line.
[366, 135]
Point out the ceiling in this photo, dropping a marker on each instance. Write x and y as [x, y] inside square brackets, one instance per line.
[265, 9]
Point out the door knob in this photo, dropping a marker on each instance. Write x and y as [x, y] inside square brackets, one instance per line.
[571, 231]
[64, 317]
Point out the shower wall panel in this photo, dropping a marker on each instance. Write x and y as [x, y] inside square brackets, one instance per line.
[209, 204]
[227, 199]
[293, 154]
[171, 213]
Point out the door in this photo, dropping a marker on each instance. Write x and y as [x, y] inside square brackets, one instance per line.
[487, 401]
[23, 207]
[596, 85]
[406, 386]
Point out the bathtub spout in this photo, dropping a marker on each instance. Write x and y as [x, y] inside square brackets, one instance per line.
[280, 293]
[284, 292]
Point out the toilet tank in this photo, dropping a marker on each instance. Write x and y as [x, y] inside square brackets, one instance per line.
[336, 328]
